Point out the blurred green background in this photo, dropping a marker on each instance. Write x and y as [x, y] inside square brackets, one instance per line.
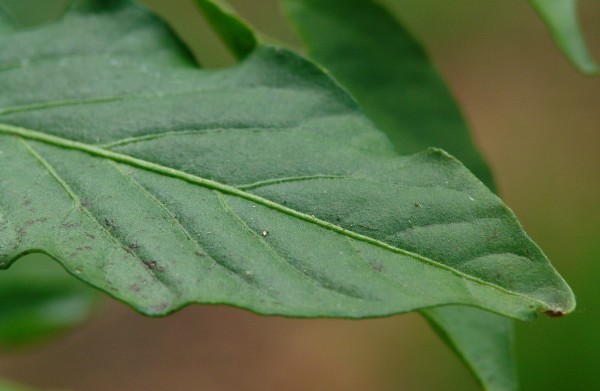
[538, 123]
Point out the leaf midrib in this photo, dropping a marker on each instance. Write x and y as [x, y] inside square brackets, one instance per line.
[223, 188]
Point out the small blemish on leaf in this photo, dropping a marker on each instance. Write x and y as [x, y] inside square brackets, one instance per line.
[493, 236]
[265, 233]
[153, 265]
[418, 205]
[367, 227]
[378, 268]
[554, 313]
[150, 264]
[31, 222]
[109, 224]
[199, 254]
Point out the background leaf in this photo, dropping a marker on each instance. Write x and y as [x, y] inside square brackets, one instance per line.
[483, 340]
[384, 67]
[389, 74]
[561, 18]
[144, 214]
[40, 299]
[236, 34]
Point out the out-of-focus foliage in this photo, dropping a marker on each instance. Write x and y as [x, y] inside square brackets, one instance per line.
[39, 298]
[561, 18]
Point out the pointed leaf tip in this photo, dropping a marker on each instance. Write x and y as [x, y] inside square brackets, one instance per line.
[561, 18]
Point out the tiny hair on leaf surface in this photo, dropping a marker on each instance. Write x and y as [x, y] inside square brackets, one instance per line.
[154, 181]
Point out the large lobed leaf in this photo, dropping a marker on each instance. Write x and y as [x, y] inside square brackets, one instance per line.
[260, 186]
[488, 354]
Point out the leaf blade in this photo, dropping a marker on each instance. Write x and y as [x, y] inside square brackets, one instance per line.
[157, 289]
[483, 340]
[234, 31]
[241, 122]
[563, 23]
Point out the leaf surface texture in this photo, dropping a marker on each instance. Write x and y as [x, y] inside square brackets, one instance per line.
[261, 186]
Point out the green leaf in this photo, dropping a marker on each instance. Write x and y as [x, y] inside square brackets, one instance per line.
[234, 31]
[40, 299]
[383, 66]
[260, 186]
[483, 340]
[561, 18]
[389, 74]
